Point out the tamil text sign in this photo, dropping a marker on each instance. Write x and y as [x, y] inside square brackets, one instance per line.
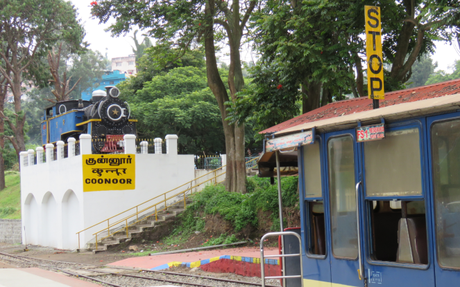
[108, 172]
[289, 141]
[374, 53]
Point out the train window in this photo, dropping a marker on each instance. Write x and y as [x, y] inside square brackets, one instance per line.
[445, 138]
[393, 164]
[316, 232]
[399, 234]
[312, 167]
[343, 199]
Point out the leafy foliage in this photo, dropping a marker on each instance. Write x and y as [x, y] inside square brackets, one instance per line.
[421, 71]
[241, 209]
[175, 100]
[28, 30]
[88, 67]
[313, 51]
[442, 76]
[181, 25]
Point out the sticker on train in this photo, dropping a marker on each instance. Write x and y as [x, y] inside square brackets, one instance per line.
[370, 133]
[108, 172]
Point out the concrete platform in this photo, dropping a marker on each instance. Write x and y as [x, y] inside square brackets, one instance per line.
[28, 277]
[243, 261]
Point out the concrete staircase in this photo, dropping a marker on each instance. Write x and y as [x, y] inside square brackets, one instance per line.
[146, 223]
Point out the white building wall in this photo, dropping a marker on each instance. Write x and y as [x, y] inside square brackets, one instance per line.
[54, 204]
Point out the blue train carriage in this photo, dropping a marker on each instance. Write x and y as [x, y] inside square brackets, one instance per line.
[379, 188]
[105, 117]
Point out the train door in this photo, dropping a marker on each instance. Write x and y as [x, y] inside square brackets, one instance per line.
[342, 176]
[316, 255]
[444, 150]
[395, 208]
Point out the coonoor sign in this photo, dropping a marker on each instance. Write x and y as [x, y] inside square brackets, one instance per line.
[374, 53]
[108, 172]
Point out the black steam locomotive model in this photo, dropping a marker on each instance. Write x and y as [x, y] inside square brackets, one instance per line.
[105, 117]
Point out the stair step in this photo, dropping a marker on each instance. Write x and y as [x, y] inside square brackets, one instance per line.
[146, 222]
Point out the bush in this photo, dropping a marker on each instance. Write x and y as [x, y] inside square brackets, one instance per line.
[238, 209]
[241, 209]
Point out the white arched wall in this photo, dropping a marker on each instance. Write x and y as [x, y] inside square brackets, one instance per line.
[71, 220]
[50, 221]
[31, 220]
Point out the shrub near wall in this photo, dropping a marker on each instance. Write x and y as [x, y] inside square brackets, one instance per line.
[10, 231]
[241, 209]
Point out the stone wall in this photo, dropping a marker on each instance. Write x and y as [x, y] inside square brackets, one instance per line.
[10, 231]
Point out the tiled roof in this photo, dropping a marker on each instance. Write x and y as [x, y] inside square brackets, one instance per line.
[346, 107]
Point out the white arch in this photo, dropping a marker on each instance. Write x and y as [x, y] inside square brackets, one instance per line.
[31, 220]
[71, 220]
[49, 229]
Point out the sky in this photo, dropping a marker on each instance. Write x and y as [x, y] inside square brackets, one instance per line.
[121, 46]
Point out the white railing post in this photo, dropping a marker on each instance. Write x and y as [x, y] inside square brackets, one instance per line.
[60, 150]
[31, 157]
[130, 144]
[158, 147]
[23, 155]
[49, 150]
[85, 144]
[171, 144]
[71, 147]
[39, 155]
[144, 147]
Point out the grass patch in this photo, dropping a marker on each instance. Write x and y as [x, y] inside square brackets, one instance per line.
[10, 197]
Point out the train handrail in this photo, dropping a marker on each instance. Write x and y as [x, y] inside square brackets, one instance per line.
[262, 257]
[136, 210]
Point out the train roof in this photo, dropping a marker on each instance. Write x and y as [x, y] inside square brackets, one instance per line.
[397, 104]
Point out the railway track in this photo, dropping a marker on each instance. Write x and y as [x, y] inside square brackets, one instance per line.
[122, 277]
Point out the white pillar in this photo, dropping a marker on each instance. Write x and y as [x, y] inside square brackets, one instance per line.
[23, 155]
[85, 144]
[39, 155]
[60, 150]
[158, 147]
[130, 144]
[71, 147]
[171, 144]
[49, 150]
[144, 147]
[31, 157]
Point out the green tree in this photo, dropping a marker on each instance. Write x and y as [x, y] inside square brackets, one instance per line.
[179, 102]
[315, 49]
[421, 71]
[183, 23]
[156, 61]
[442, 76]
[89, 67]
[140, 47]
[28, 30]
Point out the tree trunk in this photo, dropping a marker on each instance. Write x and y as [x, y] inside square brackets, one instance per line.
[18, 126]
[313, 96]
[236, 84]
[234, 135]
[3, 90]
